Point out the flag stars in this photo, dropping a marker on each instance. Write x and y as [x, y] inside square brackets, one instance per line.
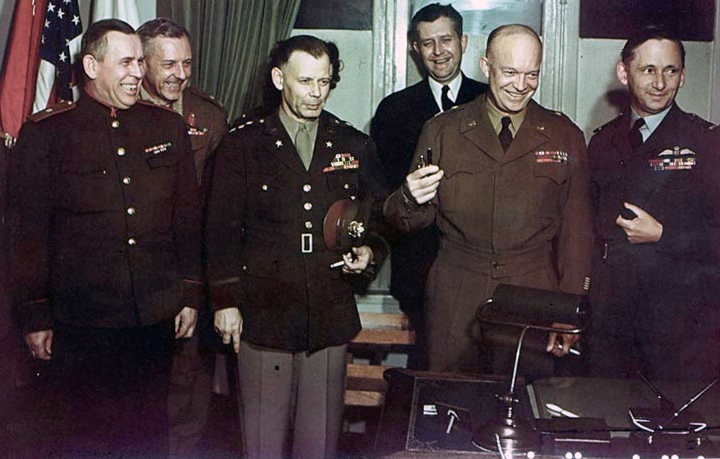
[47, 23]
[51, 7]
[62, 56]
[76, 20]
[61, 13]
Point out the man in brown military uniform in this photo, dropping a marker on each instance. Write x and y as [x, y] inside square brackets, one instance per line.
[103, 231]
[168, 62]
[509, 194]
[269, 269]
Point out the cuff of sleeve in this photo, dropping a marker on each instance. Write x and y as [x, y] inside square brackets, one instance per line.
[224, 294]
[36, 315]
[191, 293]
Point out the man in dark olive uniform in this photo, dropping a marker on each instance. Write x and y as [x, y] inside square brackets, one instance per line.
[269, 269]
[103, 223]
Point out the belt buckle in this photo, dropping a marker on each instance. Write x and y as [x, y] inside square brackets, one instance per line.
[306, 243]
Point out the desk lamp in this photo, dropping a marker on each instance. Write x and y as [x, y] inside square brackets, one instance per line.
[525, 308]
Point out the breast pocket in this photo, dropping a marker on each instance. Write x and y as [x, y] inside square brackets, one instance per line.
[86, 187]
[343, 184]
[162, 169]
[550, 182]
[458, 186]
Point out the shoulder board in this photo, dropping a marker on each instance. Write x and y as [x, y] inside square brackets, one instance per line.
[246, 122]
[704, 124]
[337, 121]
[612, 121]
[205, 96]
[713, 127]
[61, 107]
[450, 110]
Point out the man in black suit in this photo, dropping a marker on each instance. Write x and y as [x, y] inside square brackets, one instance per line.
[437, 37]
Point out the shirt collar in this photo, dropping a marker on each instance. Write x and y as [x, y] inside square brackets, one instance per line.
[176, 106]
[292, 126]
[454, 85]
[651, 121]
[496, 116]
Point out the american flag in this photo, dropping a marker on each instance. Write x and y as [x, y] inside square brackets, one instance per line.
[58, 46]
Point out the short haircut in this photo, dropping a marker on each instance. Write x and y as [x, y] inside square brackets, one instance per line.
[432, 13]
[314, 46]
[650, 32]
[509, 29]
[94, 42]
[160, 27]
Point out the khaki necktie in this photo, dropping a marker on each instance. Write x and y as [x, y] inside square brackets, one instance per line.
[304, 145]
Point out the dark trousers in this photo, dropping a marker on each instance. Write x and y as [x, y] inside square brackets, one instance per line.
[112, 387]
[657, 316]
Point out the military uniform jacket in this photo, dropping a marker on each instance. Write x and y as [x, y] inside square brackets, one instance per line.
[674, 176]
[395, 128]
[207, 124]
[266, 253]
[103, 217]
[506, 214]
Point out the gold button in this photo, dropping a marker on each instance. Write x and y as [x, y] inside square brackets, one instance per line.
[115, 124]
[307, 206]
[132, 241]
[307, 187]
[121, 151]
[308, 225]
[346, 186]
[131, 211]
[264, 187]
[126, 180]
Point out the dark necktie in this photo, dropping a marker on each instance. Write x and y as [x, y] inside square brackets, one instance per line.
[505, 135]
[304, 145]
[635, 136]
[447, 104]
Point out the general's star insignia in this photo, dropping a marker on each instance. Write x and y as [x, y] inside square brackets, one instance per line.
[278, 143]
[328, 144]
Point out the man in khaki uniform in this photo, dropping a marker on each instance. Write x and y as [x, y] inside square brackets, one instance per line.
[509, 194]
[168, 61]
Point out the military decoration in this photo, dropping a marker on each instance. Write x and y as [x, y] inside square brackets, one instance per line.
[342, 161]
[551, 157]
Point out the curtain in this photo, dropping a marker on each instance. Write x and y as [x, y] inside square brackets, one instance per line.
[231, 40]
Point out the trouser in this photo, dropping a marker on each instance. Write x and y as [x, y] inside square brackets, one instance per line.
[112, 385]
[654, 315]
[292, 402]
[190, 394]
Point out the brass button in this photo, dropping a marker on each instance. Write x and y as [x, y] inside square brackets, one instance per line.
[307, 187]
[307, 206]
[346, 186]
[126, 180]
[264, 187]
[131, 211]
[308, 225]
[132, 241]
[121, 151]
[115, 124]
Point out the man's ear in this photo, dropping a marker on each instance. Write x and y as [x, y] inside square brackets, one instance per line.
[485, 66]
[90, 66]
[621, 71]
[416, 48]
[277, 78]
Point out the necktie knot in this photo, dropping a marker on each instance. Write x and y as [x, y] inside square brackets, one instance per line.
[505, 135]
[447, 104]
[635, 136]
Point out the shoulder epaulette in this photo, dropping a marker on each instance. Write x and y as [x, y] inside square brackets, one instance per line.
[245, 121]
[703, 123]
[60, 107]
[205, 96]
[600, 128]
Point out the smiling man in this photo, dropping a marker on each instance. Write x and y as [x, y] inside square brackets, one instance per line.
[656, 193]
[275, 296]
[508, 191]
[103, 234]
[436, 36]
